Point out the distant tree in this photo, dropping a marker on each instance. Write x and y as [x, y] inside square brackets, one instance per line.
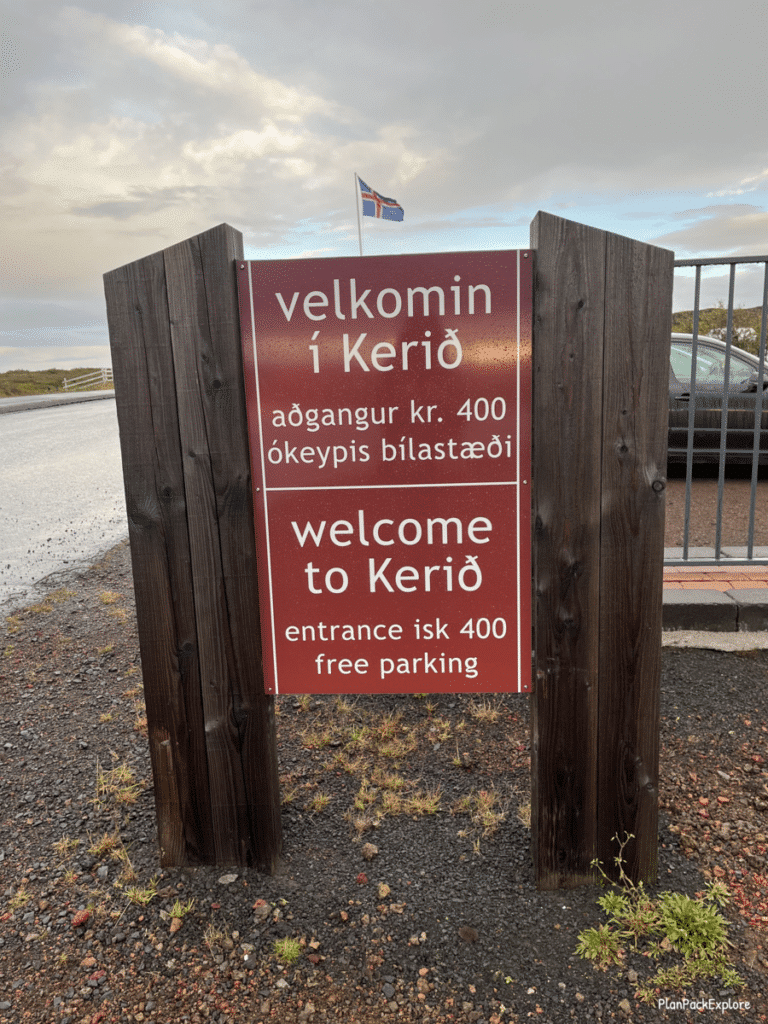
[714, 322]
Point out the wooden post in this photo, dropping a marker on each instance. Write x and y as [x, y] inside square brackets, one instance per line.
[602, 314]
[175, 338]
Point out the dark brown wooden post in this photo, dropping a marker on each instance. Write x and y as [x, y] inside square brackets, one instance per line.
[174, 333]
[602, 310]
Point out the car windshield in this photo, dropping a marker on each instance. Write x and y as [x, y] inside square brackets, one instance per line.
[710, 365]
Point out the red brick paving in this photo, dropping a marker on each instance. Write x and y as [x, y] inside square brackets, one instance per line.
[689, 577]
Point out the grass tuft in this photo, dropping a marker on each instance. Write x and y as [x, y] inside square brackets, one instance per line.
[484, 712]
[422, 802]
[213, 937]
[318, 802]
[287, 951]
[117, 785]
[66, 846]
[19, 899]
[110, 845]
[46, 605]
[180, 910]
[142, 895]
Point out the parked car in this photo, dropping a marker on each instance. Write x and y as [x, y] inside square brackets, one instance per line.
[744, 378]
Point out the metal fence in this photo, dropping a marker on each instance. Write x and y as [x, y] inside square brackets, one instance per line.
[714, 416]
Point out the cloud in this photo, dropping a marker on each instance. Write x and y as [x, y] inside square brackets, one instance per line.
[715, 283]
[53, 356]
[129, 127]
[86, 188]
[205, 68]
[737, 230]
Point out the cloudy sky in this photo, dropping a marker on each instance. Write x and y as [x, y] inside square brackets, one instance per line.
[126, 127]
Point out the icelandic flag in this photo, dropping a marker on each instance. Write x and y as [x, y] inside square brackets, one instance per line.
[375, 205]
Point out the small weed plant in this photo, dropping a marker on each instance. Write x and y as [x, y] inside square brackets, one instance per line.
[288, 794]
[484, 711]
[142, 896]
[318, 802]
[108, 846]
[484, 812]
[692, 930]
[343, 706]
[213, 937]
[66, 846]
[440, 729]
[423, 801]
[180, 910]
[600, 944]
[287, 951]
[117, 786]
[19, 899]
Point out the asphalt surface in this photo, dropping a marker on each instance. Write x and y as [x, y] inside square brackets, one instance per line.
[23, 403]
[62, 501]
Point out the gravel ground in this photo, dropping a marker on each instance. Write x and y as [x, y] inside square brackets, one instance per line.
[703, 510]
[406, 875]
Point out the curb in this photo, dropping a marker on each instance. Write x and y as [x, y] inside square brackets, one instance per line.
[716, 610]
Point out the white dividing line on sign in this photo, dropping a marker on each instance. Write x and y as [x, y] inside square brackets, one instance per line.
[519, 549]
[263, 477]
[395, 487]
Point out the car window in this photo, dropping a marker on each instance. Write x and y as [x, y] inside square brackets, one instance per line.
[710, 364]
[680, 358]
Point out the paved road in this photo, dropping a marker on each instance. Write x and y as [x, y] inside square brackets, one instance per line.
[22, 402]
[61, 493]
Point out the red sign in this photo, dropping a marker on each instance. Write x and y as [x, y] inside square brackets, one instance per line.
[389, 410]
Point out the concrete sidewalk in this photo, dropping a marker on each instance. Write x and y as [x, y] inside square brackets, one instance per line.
[24, 403]
[717, 598]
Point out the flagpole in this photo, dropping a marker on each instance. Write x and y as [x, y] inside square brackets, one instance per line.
[357, 207]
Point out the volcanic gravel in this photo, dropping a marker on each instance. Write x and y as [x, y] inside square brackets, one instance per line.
[406, 874]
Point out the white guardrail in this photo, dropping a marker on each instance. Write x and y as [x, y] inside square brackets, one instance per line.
[88, 380]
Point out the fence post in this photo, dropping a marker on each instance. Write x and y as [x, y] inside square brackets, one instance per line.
[602, 314]
[174, 333]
